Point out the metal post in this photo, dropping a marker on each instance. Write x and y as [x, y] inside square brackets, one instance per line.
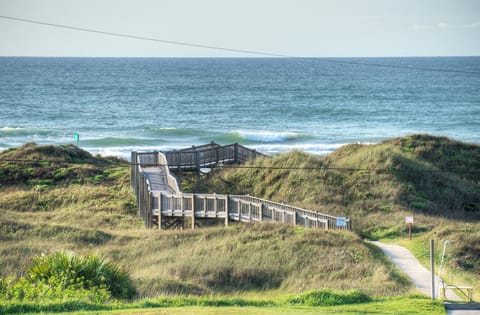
[432, 266]
[441, 283]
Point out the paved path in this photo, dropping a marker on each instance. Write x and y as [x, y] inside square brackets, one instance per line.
[408, 263]
[463, 312]
[422, 277]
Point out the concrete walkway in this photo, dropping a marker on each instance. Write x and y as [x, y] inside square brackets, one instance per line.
[422, 278]
[408, 263]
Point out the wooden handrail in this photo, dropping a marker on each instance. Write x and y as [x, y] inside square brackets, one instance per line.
[195, 158]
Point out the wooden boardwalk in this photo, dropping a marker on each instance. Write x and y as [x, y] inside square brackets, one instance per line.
[162, 204]
[157, 179]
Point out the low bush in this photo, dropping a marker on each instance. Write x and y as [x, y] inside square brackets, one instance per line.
[86, 272]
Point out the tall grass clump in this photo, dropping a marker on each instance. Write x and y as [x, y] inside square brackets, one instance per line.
[88, 272]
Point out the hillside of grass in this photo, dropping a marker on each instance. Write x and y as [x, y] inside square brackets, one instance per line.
[61, 198]
[434, 179]
[64, 199]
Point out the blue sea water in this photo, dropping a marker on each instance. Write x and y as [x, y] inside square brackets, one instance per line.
[121, 104]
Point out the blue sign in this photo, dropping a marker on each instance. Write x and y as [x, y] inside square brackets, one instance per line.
[341, 222]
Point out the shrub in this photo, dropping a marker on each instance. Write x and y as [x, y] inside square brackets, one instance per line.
[86, 272]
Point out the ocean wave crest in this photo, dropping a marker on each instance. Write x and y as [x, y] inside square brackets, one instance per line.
[270, 136]
[313, 148]
[115, 142]
[19, 131]
[174, 132]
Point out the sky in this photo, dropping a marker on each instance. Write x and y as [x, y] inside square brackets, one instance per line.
[300, 28]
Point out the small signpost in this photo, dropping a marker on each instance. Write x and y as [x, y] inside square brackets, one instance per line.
[76, 138]
[341, 222]
[409, 221]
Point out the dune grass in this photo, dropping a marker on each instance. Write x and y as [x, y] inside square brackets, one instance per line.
[374, 184]
[434, 179]
[71, 201]
[98, 216]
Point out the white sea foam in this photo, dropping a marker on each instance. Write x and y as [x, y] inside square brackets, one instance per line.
[313, 148]
[268, 136]
[124, 152]
[11, 128]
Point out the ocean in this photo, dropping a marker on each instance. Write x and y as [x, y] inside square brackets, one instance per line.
[274, 105]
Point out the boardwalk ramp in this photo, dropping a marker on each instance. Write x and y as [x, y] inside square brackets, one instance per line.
[162, 204]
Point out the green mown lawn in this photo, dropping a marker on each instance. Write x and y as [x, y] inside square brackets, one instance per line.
[397, 306]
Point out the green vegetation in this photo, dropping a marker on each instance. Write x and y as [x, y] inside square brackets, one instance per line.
[87, 272]
[376, 185]
[222, 305]
[69, 201]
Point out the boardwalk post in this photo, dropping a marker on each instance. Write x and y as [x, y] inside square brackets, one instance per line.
[205, 206]
[235, 153]
[155, 163]
[193, 211]
[226, 211]
[197, 158]
[149, 209]
[182, 206]
[250, 212]
[133, 170]
[261, 212]
[215, 204]
[160, 210]
[178, 160]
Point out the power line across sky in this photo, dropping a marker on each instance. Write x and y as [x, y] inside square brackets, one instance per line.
[246, 52]
[285, 168]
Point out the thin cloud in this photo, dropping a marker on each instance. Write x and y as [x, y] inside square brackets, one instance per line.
[442, 26]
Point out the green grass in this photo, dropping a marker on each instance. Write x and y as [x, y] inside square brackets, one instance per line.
[435, 179]
[215, 260]
[397, 306]
[370, 198]
[86, 206]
